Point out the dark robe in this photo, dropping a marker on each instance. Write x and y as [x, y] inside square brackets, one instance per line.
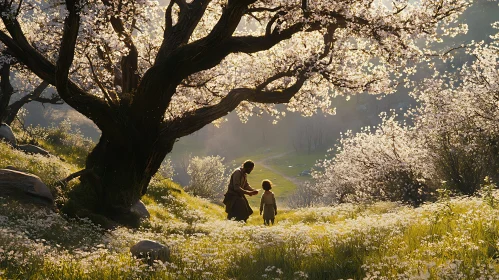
[236, 205]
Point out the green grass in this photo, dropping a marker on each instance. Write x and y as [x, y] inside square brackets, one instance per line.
[63, 141]
[293, 163]
[281, 187]
[168, 199]
[49, 169]
[72, 154]
[452, 239]
[287, 164]
[388, 242]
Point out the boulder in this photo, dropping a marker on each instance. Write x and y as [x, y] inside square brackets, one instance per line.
[32, 149]
[24, 187]
[7, 135]
[140, 210]
[151, 251]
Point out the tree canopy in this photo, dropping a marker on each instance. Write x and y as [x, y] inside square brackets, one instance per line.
[256, 52]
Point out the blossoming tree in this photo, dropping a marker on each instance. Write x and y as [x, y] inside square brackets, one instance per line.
[458, 118]
[148, 74]
[31, 88]
[453, 138]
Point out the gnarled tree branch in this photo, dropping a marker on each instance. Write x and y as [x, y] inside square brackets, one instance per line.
[35, 95]
[67, 49]
[129, 63]
[175, 36]
[197, 119]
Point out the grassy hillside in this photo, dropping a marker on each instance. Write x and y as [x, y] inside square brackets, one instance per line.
[452, 239]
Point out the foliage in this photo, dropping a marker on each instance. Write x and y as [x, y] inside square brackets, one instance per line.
[207, 177]
[167, 170]
[362, 32]
[487, 192]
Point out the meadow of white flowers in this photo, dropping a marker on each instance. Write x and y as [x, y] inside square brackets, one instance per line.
[452, 239]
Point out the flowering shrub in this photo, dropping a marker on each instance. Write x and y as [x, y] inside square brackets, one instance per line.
[458, 124]
[207, 177]
[389, 163]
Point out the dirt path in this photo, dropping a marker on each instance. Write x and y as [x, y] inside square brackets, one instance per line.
[264, 162]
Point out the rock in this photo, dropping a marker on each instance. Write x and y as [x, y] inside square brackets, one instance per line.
[7, 135]
[32, 149]
[24, 187]
[151, 251]
[140, 210]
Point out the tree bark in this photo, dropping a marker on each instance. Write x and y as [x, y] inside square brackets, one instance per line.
[6, 91]
[120, 174]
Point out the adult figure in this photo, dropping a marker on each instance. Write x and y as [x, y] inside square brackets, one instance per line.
[236, 204]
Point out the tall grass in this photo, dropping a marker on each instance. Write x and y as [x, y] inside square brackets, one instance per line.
[50, 169]
[64, 140]
[455, 239]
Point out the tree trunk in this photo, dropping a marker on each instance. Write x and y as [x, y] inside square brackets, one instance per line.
[6, 91]
[119, 174]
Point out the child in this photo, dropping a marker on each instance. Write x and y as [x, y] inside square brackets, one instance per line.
[267, 204]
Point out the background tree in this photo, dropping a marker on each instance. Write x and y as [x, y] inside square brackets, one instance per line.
[310, 135]
[27, 84]
[306, 195]
[452, 140]
[147, 75]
